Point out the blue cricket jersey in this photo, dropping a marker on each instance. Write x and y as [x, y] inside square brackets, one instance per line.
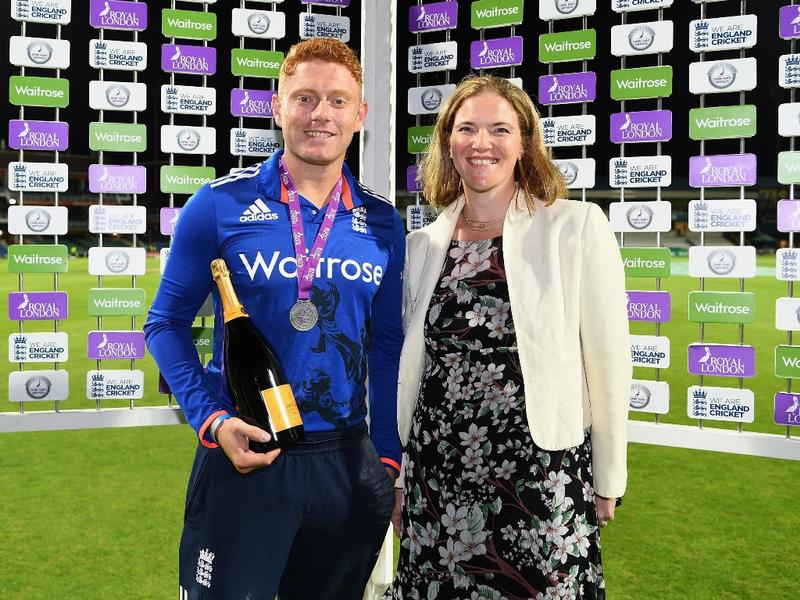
[243, 218]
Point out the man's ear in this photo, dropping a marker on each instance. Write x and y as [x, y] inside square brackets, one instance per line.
[362, 114]
[276, 109]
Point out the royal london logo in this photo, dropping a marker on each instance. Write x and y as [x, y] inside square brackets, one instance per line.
[258, 211]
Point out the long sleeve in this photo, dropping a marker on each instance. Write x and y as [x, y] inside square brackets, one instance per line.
[606, 351]
[185, 284]
[384, 354]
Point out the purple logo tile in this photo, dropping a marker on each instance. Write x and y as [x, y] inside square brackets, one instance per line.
[327, 2]
[722, 360]
[180, 58]
[37, 306]
[787, 409]
[568, 88]
[251, 103]
[109, 345]
[499, 52]
[433, 17]
[722, 170]
[641, 126]
[168, 217]
[117, 179]
[789, 19]
[789, 215]
[653, 307]
[115, 14]
[38, 135]
[412, 182]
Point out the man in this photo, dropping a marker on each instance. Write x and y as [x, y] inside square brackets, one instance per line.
[304, 522]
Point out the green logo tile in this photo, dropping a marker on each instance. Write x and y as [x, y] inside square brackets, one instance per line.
[496, 13]
[722, 307]
[38, 91]
[203, 339]
[256, 63]
[419, 138]
[109, 302]
[646, 262]
[645, 82]
[787, 361]
[567, 45]
[118, 137]
[37, 258]
[788, 167]
[722, 122]
[188, 24]
[185, 180]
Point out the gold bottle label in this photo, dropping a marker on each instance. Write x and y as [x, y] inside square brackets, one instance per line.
[282, 407]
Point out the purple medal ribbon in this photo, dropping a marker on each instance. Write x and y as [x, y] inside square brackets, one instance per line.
[303, 315]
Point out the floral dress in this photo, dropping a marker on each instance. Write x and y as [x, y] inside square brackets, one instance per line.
[487, 514]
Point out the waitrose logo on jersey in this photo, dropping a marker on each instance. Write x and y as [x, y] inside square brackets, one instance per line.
[328, 268]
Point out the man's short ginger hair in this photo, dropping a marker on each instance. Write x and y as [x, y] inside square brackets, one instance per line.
[325, 49]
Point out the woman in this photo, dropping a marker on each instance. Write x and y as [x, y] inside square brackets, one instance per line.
[515, 372]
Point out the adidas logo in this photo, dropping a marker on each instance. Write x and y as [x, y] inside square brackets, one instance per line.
[257, 211]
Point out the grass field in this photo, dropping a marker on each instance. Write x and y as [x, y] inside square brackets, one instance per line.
[97, 514]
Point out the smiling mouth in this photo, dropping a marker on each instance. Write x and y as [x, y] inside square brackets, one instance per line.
[319, 134]
[481, 162]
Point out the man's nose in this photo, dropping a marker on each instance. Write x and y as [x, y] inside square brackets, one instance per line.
[321, 111]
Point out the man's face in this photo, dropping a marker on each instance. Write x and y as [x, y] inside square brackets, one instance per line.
[319, 109]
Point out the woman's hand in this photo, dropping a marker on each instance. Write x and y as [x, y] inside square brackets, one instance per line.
[605, 509]
[397, 511]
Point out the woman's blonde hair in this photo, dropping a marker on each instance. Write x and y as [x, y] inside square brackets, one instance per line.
[536, 173]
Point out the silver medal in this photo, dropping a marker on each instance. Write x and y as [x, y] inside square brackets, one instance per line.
[303, 315]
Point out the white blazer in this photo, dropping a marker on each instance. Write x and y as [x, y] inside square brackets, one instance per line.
[566, 285]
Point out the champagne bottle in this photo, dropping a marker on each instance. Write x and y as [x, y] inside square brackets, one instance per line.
[255, 377]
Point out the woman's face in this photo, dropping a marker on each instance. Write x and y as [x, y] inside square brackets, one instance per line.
[486, 143]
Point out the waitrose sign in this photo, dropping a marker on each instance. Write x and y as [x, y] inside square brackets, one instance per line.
[722, 122]
[646, 262]
[568, 45]
[722, 307]
[496, 13]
